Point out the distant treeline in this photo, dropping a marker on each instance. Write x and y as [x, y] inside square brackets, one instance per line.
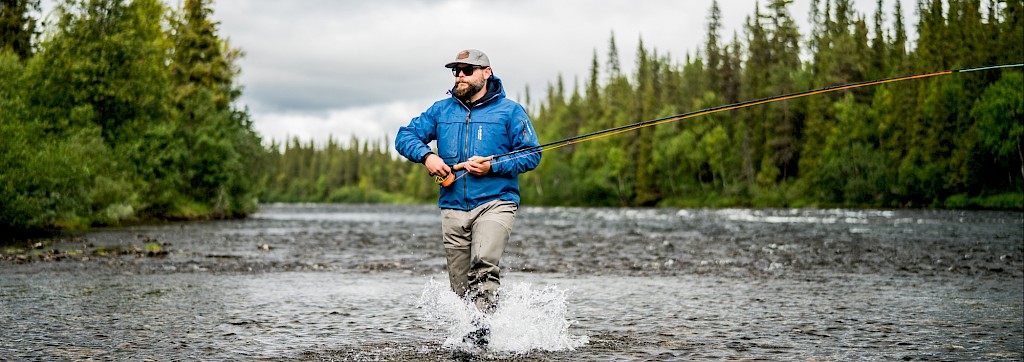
[125, 110]
[360, 172]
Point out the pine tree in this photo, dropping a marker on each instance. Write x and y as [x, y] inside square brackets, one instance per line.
[879, 45]
[713, 62]
[754, 85]
[218, 136]
[898, 50]
[200, 59]
[614, 70]
[641, 142]
[786, 55]
[731, 70]
[931, 30]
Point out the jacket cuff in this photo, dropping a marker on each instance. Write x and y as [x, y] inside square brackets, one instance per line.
[425, 155]
[497, 168]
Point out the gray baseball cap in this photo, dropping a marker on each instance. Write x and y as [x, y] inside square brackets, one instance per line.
[471, 57]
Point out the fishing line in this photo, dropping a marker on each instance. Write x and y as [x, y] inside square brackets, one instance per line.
[524, 152]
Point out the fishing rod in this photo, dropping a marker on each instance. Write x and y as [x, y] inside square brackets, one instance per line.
[523, 152]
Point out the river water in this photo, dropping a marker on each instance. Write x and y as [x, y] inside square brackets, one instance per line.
[367, 283]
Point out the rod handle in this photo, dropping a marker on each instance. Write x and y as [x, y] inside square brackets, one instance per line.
[462, 166]
[448, 180]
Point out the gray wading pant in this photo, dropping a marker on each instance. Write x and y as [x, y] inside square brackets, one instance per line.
[474, 241]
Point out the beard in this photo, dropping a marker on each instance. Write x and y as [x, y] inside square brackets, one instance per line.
[464, 93]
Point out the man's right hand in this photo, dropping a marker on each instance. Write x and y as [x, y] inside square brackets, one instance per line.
[436, 166]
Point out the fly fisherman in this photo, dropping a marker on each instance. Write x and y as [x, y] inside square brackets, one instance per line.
[479, 208]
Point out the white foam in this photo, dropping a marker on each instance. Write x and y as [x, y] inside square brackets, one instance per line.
[527, 319]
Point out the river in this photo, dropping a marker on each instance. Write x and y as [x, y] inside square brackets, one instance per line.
[367, 282]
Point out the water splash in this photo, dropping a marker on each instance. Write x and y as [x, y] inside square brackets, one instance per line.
[526, 319]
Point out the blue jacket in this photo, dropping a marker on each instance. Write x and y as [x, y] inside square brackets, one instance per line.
[492, 126]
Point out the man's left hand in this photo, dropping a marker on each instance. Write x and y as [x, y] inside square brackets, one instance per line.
[478, 166]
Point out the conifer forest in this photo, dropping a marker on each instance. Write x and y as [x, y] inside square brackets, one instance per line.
[128, 110]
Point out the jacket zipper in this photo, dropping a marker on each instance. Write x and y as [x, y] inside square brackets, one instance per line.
[465, 183]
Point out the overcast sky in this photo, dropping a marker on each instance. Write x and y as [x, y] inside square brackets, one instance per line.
[315, 68]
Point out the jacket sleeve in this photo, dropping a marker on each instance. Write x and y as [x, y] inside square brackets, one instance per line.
[522, 136]
[411, 141]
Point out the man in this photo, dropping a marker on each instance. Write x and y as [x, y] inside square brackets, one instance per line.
[478, 209]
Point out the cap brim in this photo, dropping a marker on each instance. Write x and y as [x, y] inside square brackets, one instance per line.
[454, 64]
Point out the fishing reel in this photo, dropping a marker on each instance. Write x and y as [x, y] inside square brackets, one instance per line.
[445, 181]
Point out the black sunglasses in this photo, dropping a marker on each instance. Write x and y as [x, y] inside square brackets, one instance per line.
[468, 71]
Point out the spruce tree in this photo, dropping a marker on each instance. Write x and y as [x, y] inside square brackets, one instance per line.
[713, 62]
[223, 148]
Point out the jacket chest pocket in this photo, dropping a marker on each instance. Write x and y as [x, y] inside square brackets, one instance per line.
[449, 137]
[489, 138]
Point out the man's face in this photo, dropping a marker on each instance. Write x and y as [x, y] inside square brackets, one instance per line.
[468, 85]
